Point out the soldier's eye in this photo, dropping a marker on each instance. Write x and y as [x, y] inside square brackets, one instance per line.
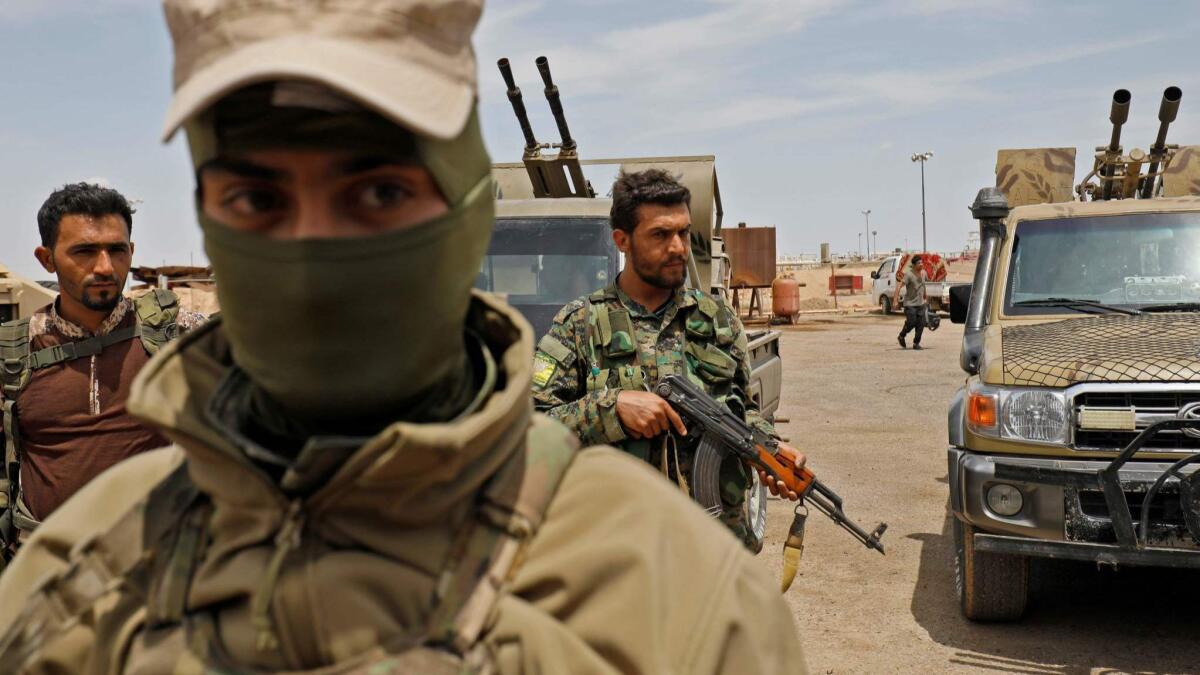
[381, 195]
[253, 201]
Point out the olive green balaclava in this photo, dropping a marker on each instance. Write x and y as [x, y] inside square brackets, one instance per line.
[344, 329]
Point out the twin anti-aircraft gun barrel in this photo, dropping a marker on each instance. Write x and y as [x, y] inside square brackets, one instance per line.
[1121, 175]
[560, 175]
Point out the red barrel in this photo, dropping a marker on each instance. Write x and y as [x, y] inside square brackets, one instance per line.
[785, 297]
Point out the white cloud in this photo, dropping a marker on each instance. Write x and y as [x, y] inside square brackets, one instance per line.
[756, 110]
[688, 74]
[665, 57]
[908, 90]
[932, 7]
[681, 74]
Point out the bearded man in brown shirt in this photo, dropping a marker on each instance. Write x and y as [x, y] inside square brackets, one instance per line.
[68, 368]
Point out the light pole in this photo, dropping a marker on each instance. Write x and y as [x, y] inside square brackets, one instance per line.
[867, 229]
[923, 157]
[874, 241]
[860, 244]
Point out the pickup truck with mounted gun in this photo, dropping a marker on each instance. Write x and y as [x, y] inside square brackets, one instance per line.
[1076, 433]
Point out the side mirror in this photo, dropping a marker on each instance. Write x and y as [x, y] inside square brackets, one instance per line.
[960, 300]
[875, 275]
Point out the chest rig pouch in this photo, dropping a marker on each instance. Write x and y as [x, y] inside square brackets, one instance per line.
[710, 334]
[613, 345]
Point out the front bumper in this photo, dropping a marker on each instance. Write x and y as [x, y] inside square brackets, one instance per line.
[1066, 512]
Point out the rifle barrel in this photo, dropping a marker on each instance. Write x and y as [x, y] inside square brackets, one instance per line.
[1118, 114]
[552, 97]
[1167, 110]
[518, 104]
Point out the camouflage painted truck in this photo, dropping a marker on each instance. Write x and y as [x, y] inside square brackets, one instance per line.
[552, 242]
[1076, 433]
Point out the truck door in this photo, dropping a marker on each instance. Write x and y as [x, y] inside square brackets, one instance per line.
[886, 283]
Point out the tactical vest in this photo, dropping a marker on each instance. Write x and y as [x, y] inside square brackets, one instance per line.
[156, 314]
[613, 346]
[153, 551]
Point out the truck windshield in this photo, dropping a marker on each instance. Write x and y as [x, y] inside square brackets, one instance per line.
[1094, 265]
[548, 260]
[543, 278]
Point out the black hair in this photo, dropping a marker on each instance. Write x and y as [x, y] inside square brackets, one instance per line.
[916, 260]
[652, 186]
[80, 199]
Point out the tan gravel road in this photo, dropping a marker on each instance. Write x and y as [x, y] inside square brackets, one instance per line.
[872, 419]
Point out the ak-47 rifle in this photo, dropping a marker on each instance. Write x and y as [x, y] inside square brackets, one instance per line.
[722, 432]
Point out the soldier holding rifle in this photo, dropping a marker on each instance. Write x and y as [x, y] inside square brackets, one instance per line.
[595, 369]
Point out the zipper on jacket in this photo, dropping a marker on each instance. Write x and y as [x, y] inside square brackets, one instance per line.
[287, 539]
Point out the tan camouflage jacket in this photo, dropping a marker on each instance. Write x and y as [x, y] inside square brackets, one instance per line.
[600, 589]
[576, 379]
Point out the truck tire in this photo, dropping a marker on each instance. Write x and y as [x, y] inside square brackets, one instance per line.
[885, 304]
[991, 586]
[706, 489]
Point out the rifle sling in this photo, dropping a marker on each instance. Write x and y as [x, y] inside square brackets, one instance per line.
[69, 351]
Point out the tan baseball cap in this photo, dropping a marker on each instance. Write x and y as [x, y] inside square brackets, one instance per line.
[411, 60]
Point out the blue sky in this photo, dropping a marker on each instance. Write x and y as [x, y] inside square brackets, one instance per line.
[812, 107]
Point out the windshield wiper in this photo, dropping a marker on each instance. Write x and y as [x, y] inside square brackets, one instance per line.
[1172, 307]
[1076, 304]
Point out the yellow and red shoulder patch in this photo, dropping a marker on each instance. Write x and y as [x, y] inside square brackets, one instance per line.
[543, 370]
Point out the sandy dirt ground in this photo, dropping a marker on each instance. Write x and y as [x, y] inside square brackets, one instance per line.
[872, 419]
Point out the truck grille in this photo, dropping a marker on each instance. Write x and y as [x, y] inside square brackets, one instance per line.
[1166, 509]
[1148, 406]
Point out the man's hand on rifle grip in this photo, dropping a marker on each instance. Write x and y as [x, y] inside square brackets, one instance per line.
[786, 455]
[645, 415]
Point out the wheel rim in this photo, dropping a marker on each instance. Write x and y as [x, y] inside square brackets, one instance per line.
[756, 506]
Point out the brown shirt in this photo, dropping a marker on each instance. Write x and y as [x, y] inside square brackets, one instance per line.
[73, 423]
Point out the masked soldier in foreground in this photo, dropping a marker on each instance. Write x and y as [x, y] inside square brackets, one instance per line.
[358, 481]
[595, 369]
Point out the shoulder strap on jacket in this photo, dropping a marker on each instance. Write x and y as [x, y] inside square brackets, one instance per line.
[157, 313]
[513, 508]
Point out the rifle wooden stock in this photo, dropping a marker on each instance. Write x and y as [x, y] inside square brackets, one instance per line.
[799, 482]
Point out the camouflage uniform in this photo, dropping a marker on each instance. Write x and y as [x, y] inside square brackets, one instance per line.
[603, 343]
[424, 549]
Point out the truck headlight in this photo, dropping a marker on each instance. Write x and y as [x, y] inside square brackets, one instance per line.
[1036, 415]
[1022, 414]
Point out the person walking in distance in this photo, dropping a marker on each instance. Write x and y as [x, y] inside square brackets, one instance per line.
[912, 288]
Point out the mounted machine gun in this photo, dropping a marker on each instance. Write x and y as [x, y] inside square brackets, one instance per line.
[1119, 176]
[559, 175]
